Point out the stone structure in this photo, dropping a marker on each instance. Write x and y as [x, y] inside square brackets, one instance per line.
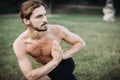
[109, 12]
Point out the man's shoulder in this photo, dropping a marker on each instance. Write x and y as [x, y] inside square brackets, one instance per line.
[19, 40]
[19, 45]
[55, 27]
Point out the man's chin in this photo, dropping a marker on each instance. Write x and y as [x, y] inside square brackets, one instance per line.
[40, 30]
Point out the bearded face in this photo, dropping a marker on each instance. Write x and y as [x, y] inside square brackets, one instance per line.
[38, 19]
[40, 28]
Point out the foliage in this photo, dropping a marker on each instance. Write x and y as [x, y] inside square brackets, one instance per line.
[12, 6]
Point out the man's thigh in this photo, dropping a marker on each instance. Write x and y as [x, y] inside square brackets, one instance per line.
[45, 78]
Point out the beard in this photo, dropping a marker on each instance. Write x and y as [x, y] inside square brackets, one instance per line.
[41, 28]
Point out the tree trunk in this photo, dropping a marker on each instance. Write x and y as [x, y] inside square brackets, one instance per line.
[50, 5]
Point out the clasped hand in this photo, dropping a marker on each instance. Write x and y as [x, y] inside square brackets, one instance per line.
[57, 52]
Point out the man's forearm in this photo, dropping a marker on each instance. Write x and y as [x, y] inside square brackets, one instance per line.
[74, 49]
[42, 71]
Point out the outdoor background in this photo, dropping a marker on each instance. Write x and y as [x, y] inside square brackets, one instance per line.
[100, 60]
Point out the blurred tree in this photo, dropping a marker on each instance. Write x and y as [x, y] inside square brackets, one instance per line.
[12, 6]
[49, 4]
[117, 6]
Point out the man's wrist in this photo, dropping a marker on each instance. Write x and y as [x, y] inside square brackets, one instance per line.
[56, 61]
[62, 56]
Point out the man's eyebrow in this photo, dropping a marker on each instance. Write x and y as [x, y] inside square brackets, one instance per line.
[39, 15]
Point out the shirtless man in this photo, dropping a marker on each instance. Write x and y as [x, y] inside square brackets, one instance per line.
[42, 42]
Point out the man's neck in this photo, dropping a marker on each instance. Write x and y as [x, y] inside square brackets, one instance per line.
[33, 34]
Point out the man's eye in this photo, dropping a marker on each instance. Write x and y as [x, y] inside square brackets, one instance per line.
[39, 16]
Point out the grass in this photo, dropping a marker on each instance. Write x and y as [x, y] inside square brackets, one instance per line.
[100, 60]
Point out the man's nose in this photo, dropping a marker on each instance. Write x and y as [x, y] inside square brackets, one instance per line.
[44, 18]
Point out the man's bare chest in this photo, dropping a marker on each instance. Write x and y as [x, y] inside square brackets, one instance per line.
[39, 48]
[42, 46]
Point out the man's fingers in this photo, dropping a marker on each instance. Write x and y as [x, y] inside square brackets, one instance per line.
[56, 49]
[55, 45]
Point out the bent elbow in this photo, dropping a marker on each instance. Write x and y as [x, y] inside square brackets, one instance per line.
[31, 76]
[82, 44]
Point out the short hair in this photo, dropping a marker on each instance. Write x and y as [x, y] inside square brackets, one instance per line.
[28, 6]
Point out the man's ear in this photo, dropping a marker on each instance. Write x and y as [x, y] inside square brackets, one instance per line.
[26, 21]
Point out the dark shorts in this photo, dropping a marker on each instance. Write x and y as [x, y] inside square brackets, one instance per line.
[64, 71]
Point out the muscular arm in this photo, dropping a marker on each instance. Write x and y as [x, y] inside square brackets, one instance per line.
[72, 39]
[77, 45]
[26, 66]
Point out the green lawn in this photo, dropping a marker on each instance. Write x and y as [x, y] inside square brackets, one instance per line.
[100, 60]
